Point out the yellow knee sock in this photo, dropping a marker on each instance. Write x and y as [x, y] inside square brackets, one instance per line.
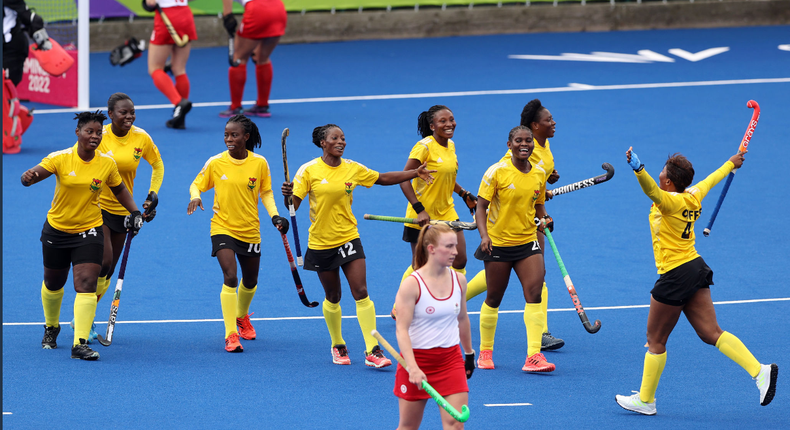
[245, 296]
[51, 301]
[533, 320]
[544, 305]
[84, 312]
[733, 348]
[461, 271]
[408, 272]
[488, 320]
[333, 316]
[366, 315]
[654, 366]
[227, 299]
[101, 287]
[476, 285]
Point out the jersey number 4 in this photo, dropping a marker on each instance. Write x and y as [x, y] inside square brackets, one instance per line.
[687, 231]
[85, 234]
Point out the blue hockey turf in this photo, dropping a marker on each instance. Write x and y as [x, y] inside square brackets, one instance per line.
[167, 367]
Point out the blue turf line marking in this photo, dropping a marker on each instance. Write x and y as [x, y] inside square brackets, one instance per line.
[517, 311]
[506, 404]
[570, 87]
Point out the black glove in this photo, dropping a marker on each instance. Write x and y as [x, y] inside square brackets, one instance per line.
[550, 224]
[133, 222]
[470, 200]
[229, 21]
[149, 8]
[282, 222]
[150, 212]
[469, 364]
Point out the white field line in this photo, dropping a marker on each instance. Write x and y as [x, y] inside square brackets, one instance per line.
[517, 311]
[570, 87]
[7, 413]
[506, 404]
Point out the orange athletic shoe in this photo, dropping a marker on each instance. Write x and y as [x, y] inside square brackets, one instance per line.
[340, 355]
[376, 358]
[232, 343]
[485, 361]
[537, 363]
[393, 314]
[246, 331]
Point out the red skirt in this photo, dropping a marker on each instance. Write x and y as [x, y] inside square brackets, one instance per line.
[182, 20]
[263, 18]
[443, 368]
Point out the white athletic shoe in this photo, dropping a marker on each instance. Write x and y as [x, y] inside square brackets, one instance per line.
[766, 382]
[634, 404]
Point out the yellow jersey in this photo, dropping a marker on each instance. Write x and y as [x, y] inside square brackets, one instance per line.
[541, 156]
[127, 152]
[513, 196]
[237, 186]
[438, 196]
[331, 195]
[75, 207]
[672, 217]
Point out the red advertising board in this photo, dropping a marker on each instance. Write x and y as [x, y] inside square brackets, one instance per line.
[39, 86]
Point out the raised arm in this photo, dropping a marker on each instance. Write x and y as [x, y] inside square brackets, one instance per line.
[392, 178]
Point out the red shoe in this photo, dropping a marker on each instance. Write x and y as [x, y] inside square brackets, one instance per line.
[340, 355]
[232, 343]
[393, 314]
[246, 331]
[485, 361]
[377, 359]
[537, 363]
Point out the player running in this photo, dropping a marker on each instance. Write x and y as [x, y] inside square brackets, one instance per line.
[72, 234]
[239, 177]
[684, 279]
[334, 242]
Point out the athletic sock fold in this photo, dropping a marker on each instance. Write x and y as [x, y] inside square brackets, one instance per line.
[333, 315]
[488, 322]
[84, 313]
[533, 320]
[733, 348]
[651, 374]
[227, 300]
[51, 301]
[366, 315]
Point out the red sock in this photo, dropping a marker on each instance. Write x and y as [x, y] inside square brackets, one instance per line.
[263, 75]
[182, 85]
[237, 76]
[165, 85]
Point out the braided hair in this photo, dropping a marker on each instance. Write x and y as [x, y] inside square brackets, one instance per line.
[319, 133]
[425, 119]
[249, 127]
[516, 129]
[115, 98]
[86, 117]
[679, 171]
[530, 112]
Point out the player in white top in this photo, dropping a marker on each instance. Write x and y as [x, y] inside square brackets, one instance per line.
[432, 321]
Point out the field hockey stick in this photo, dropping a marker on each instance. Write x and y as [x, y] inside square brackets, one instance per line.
[741, 148]
[571, 289]
[116, 297]
[180, 41]
[462, 416]
[295, 274]
[231, 52]
[455, 225]
[595, 180]
[291, 210]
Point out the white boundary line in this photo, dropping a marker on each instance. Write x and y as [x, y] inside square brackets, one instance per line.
[571, 87]
[506, 404]
[517, 311]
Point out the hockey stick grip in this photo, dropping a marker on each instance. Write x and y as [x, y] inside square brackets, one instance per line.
[462, 416]
[180, 41]
[391, 219]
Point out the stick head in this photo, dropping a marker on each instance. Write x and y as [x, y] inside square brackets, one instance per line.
[592, 328]
[609, 173]
[285, 133]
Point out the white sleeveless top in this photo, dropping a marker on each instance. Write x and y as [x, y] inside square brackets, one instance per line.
[171, 3]
[435, 321]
